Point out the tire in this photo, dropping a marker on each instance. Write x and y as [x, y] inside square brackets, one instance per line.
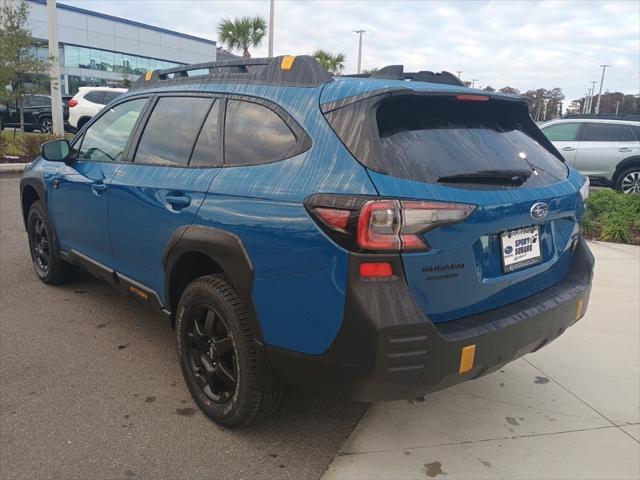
[219, 356]
[629, 181]
[45, 125]
[44, 249]
[82, 122]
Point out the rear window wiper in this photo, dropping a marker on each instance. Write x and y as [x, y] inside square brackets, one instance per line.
[494, 177]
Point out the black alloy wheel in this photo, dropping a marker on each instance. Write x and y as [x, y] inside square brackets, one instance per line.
[40, 244]
[43, 247]
[46, 125]
[210, 353]
[222, 361]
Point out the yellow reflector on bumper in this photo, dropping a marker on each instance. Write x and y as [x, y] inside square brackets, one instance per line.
[466, 358]
[287, 62]
[579, 306]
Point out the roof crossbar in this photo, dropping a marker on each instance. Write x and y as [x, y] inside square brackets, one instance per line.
[396, 72]
[303, 71]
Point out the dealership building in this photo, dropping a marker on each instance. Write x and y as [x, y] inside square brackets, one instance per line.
[99, 49]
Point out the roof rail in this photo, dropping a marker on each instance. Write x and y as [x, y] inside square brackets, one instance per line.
[606, 116]
[301, 71]
[396, 72]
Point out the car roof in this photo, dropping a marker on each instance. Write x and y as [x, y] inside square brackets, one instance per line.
[589, 120]
[348, 87]
[101, 88]
[302, 74]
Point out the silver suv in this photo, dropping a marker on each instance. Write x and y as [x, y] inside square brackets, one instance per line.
[608, 151]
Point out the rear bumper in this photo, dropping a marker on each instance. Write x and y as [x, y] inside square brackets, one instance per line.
[387, 349]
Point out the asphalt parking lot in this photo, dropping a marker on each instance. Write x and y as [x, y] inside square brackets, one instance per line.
[90, 388]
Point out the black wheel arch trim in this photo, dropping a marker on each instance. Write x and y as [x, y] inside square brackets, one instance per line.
[35, 182]
[224, 248]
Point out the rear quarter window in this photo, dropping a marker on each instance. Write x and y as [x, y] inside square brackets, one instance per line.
[255, 134]
[95, 97]
[607, 132]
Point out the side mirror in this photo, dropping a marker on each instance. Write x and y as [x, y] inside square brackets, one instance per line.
[56, 150]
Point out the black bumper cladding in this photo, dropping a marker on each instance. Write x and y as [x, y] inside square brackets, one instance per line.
[387, 349]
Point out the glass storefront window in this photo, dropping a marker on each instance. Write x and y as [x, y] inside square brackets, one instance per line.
[107, 61]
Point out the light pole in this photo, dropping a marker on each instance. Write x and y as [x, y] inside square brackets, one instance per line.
[593, 89]
[473, 82]
[459, 72]
[617, 106]
[359, 32]
[271, 15]
[604, 67]
[54, 71]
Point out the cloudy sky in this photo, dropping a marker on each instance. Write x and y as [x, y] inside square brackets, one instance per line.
[521, 43]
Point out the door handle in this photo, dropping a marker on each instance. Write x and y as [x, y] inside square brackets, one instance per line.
[99, 187]
[178, 200]
[568, 149]
[624, 149]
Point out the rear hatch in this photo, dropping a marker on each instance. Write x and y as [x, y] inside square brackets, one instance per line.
[483, 153]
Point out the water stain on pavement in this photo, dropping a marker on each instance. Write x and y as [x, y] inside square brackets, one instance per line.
[541, 380]
[123, 346]
[150, 399]
[185, 412]
[512, 421]
[485, 463]
[434, 469]
[101, 325]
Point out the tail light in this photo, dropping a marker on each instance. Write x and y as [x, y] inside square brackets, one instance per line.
[73, 102]
[382, 225]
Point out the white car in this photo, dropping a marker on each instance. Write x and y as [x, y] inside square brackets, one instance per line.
[608, 151]
[89, 101]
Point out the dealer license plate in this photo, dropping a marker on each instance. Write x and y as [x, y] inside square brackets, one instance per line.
[520, 248]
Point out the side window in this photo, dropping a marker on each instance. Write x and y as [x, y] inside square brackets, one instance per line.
[255, 134]
[95, 97]
[636, 130]
[171, 130]
[106, 139]
[108, 96]
[207, 150]
[562, 132]
[607, 132]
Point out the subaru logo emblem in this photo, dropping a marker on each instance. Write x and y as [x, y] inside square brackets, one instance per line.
[539, 210]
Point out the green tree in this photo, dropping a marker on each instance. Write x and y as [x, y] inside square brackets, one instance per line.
[489, 88]
[242, 33]
[545, 104]
[370, 71]
[16, 61]
[332, 63]
[510, 90]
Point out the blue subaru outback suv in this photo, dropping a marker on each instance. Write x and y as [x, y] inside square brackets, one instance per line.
[379, 237]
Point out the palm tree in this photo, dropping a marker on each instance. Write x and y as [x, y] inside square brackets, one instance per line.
[332, 63]
[242, 33]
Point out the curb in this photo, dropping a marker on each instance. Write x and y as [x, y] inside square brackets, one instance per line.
[12, 167]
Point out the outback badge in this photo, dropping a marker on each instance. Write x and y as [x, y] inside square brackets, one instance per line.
[539, 210]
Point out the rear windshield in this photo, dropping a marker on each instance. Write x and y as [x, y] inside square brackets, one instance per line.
[426, 138]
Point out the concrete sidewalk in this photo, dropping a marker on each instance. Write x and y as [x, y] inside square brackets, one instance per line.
[568, 411]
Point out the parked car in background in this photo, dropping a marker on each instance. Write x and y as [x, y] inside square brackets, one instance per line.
[89, 101]
[37, 114]
[608, 151]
